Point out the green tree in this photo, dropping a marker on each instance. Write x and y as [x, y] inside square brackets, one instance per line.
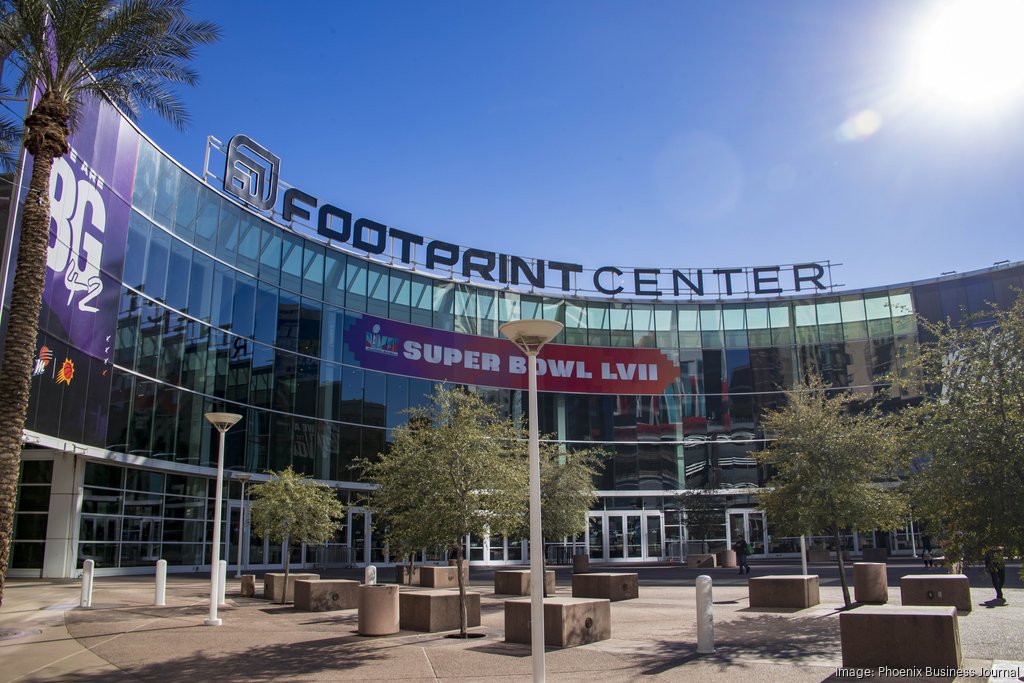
[705, 513]
[129, 52]
[967, 446]
[835, 465]
[456, 468]
[566, 489]
[293, 510]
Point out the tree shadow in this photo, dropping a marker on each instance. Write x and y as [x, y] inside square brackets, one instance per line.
[327, 657]
[763, 638]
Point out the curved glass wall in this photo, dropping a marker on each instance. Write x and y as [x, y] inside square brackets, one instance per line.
[218, 308]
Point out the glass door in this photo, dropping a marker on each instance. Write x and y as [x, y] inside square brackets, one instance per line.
[749, 525]
[628, 537]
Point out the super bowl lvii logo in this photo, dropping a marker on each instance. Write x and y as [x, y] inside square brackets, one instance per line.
[78, 218]
[251, 173]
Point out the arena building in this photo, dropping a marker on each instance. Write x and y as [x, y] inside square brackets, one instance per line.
[170, 295]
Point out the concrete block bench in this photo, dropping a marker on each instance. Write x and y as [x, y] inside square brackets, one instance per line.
[436, 610]
[700, 560]
[817, 555]
[517, 582]
[900, 637]
[800, 591]
[439, 577]
[870, 583]
[568, 622]
[274, 588]
[936, 589]
[580, 563]
[324, 595]
[609, 585]
[875, 554]
[378, 609]
[726, 558]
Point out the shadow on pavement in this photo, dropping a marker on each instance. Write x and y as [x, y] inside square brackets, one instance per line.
[765, 638]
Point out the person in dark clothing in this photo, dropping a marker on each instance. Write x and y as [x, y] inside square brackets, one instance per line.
[743, 551]
[995, 564]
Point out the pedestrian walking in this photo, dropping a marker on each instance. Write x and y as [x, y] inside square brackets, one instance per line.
[995, 564]
[743, 551]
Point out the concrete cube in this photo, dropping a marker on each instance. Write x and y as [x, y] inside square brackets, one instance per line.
[609, 585]
[568, 622]
[726, 558]
[936, 589]
[517, 582]
[438, 577]
[900, 637]
[274, 588]
[437, 610]
[800, 591]
[700, 560]
[325, 595]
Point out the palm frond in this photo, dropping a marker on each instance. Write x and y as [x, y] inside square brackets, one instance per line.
[131, 51]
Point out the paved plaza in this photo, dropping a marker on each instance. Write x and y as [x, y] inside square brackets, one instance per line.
[47, 637]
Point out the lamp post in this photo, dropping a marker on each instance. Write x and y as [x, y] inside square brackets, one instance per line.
[242, 477]
[529, 336]
[222, 422]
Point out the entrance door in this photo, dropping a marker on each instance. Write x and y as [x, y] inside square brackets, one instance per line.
[630, 536]
[748, 524]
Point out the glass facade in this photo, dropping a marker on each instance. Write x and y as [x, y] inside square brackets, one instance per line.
[217, 308]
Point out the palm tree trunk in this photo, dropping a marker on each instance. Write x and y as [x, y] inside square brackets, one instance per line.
[20, 346]
[842, 568]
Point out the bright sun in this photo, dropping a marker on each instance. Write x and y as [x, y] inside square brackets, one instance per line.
[970, 54]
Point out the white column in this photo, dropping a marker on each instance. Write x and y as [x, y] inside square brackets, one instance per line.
[536, 536]
[62, 521]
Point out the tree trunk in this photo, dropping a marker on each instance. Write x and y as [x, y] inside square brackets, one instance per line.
[842, 569]
[46, 140]
[463, 615]
[287, 560]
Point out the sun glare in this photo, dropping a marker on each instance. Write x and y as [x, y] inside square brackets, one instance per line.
[970, 54]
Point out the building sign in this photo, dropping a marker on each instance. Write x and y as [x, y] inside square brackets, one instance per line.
[252, 175]
[390, 346]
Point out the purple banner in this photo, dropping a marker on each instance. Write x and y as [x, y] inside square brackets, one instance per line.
[90, 204]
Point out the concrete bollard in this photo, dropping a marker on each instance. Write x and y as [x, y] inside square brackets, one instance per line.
[222, 581]
[160, 597]
[87, 569]
[370, 576]
[705, 617]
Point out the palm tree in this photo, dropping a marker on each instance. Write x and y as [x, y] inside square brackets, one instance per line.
[129, 51]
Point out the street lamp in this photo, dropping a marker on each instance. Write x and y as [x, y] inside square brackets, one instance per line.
[222, 422]
[242, 477]
[529, 336]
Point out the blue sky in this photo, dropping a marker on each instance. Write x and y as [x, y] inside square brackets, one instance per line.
[642, 134]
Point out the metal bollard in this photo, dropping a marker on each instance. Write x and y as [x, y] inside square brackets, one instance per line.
[222, 580]
[370, 576]
[87, 569]
[705, 617]
[160, 598]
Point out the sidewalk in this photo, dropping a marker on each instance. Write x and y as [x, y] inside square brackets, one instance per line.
[123, 637]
